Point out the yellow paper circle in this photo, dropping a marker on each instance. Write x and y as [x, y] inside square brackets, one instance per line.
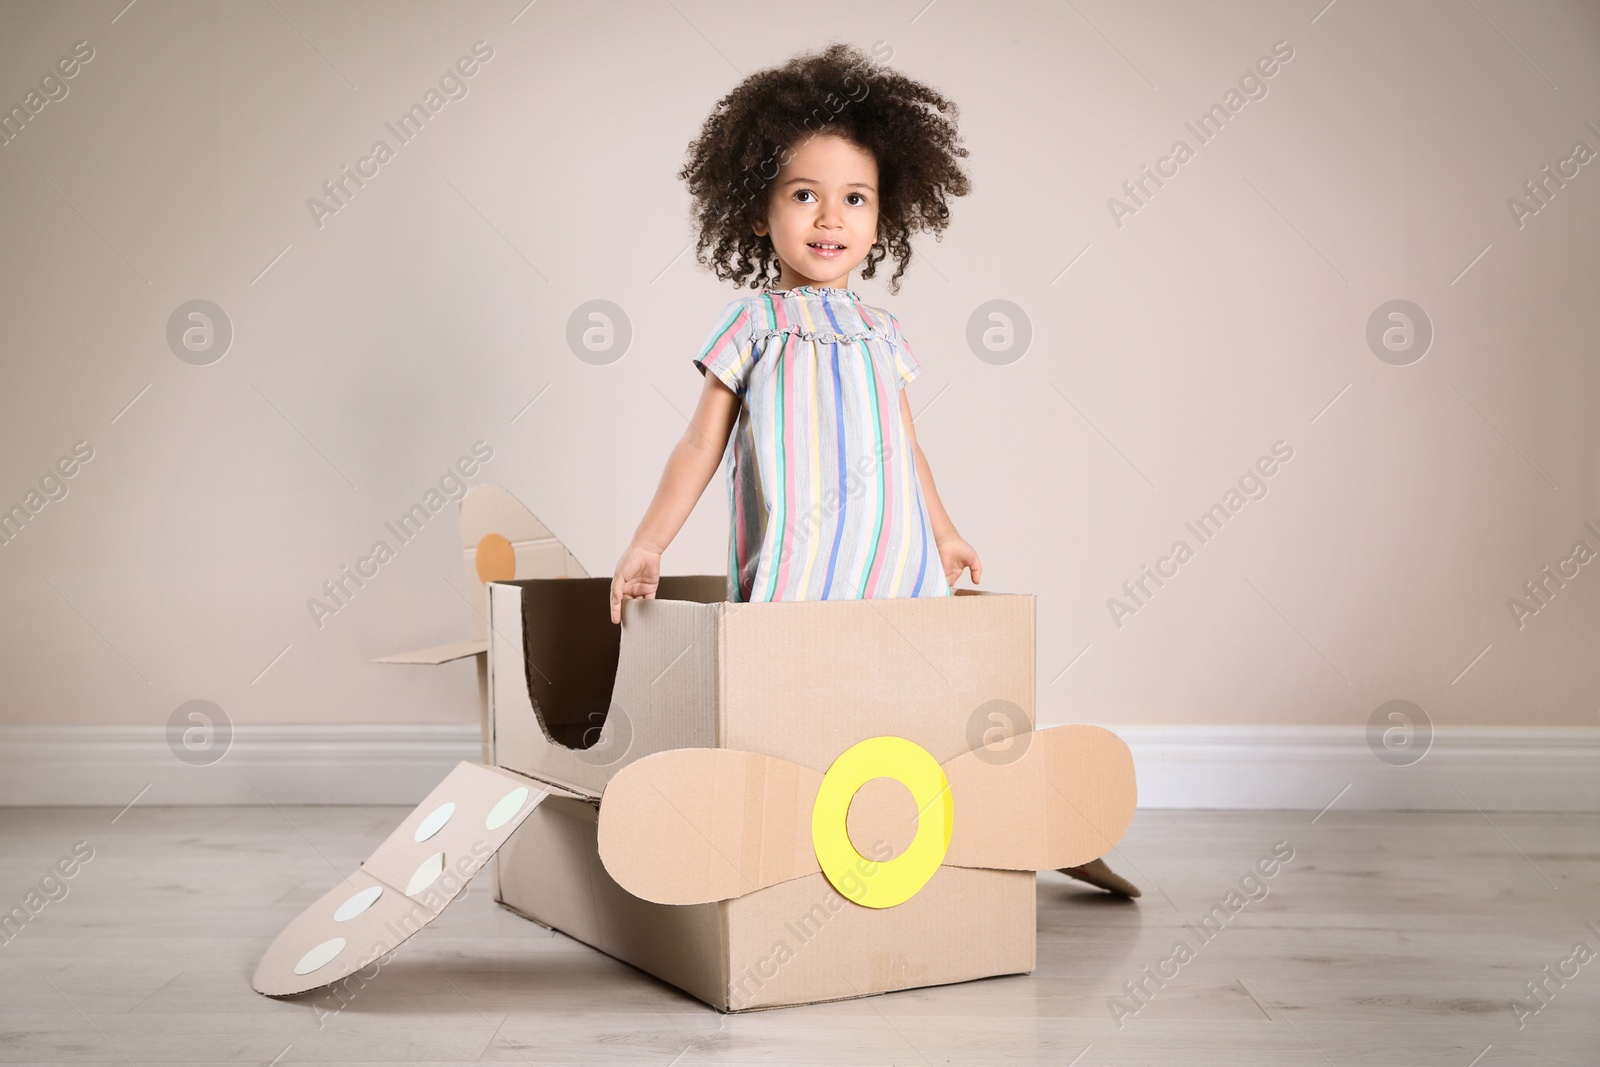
[495, 559]
[882, 883]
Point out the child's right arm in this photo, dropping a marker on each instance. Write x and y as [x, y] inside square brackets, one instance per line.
[694, 460]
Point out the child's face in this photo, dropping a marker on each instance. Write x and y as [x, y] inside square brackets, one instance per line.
[827, 193]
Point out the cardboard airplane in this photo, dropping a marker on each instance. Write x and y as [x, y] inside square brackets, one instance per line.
[763, 804]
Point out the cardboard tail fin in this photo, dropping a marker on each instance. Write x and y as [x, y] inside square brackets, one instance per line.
[404, 885]
[502, 540]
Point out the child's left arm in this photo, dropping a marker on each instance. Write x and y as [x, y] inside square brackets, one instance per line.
[954, 552]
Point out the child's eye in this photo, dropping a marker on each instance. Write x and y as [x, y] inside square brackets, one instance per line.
[861, 197]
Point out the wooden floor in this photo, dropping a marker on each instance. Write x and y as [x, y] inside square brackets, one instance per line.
[1387, 939]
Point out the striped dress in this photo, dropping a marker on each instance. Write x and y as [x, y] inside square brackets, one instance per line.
[823, 493]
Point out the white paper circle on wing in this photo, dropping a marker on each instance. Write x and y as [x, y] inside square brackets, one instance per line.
[358, 904]
[509, 805]
[435, 820]
[426, 875]
[319, 956]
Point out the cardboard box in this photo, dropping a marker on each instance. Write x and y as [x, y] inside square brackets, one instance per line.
[800, 681]
[762, 804]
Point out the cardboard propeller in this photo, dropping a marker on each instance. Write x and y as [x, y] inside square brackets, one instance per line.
[696, 825]
[403, 886]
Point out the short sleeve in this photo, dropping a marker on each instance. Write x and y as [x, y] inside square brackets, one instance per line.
[906, 365]
[729, 350]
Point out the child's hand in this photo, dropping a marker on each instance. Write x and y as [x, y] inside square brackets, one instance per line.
[955, 554]
[637, 575]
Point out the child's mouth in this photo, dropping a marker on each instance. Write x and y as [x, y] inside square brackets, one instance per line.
[826, 249]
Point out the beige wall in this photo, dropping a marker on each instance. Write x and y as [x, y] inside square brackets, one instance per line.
[1223, 316]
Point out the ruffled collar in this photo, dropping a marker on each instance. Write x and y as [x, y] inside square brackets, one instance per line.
[815, 290]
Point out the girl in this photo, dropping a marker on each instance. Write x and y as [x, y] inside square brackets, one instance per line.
[801, 175]
[813, 169]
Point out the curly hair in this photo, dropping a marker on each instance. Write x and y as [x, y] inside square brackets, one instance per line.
[909, 128]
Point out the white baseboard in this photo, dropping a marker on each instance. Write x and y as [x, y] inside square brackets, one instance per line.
[1237, 767]
[311, 764]
[1307, 767]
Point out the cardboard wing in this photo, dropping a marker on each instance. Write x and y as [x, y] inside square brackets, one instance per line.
[403, 886]
[696, 825]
